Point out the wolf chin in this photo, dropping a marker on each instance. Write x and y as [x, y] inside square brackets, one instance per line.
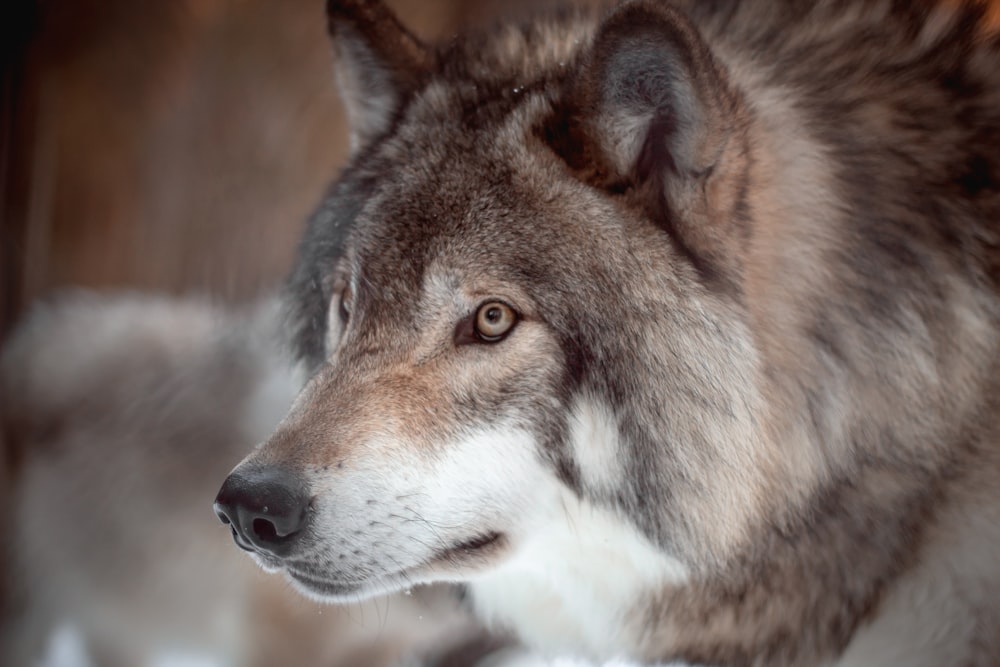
[671, 330]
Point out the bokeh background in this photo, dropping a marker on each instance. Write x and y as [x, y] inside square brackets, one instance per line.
[171, 145]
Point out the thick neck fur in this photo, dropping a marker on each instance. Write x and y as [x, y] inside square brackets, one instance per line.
[872, 302]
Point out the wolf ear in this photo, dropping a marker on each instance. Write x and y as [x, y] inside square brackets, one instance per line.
[655, 110]
[654, 98]
[379, 63]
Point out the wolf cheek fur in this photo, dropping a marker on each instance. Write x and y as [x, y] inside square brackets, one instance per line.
[748, 413]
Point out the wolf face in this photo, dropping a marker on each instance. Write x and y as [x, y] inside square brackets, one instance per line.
[486, 314]
[585, 332]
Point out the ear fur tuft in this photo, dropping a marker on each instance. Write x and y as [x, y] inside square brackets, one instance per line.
[379, 63]
[651, 78]
[656, 111]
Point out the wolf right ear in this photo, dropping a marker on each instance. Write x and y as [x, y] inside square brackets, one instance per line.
[651, 85]
[379, 63]
[653, 111]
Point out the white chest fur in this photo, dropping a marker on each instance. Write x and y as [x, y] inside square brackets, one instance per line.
[570, 587]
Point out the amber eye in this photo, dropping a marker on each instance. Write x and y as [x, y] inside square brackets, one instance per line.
[494, 320]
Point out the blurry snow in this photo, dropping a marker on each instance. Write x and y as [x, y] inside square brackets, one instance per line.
[66, 649]
[184, 660]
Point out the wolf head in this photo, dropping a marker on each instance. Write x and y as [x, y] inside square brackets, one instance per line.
[521, 290]
[603, 308]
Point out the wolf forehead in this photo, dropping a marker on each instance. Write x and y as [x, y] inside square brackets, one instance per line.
[459, 167]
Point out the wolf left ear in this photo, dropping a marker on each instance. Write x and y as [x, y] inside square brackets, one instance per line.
[655, 107]
[379, 63]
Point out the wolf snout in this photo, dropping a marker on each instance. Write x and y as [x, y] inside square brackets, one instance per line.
[265, 508]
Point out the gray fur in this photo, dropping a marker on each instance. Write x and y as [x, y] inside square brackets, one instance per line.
[765, 234]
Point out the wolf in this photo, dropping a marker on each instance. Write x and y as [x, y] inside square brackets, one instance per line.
[669, 330]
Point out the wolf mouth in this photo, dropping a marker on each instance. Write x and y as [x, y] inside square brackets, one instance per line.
[324, 588]
[481, 545]
[477, 548]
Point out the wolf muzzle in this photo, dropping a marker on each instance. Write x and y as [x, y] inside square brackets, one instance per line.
[267, 509]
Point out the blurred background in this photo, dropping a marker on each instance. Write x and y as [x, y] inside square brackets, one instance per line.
[170, 145]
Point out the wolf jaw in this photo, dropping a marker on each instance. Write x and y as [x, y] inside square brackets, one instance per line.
[760, 266]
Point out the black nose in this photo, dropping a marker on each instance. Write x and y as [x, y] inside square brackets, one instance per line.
[266, 509]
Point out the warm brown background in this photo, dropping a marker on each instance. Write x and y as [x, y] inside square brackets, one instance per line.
[170, 144]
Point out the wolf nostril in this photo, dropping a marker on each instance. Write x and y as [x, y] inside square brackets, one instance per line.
[265, 509]
[265, 530]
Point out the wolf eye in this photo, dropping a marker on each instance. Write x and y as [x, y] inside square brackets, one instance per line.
[491, 323]
[494, 320]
